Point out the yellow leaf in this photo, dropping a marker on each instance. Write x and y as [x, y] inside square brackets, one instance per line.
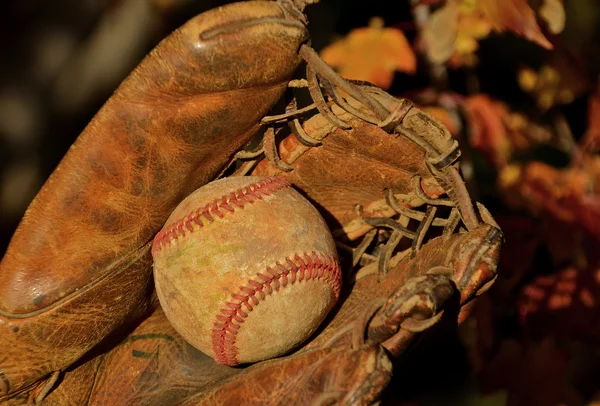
[372, 53]
[440, 33]
[453, 32]
[546, 98]
[565, 96]
[528, 78]
[466, 45]
[548, 86]
[549, 75]
[467, 6]
[553, 12]
[509, 175]
[472, 27]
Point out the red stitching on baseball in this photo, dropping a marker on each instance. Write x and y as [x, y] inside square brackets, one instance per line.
[220, 207]
[227, 324]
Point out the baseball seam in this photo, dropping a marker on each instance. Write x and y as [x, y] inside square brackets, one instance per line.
[218, 208]
[231, 316]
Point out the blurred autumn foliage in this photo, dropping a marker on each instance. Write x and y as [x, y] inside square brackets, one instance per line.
[531, 155]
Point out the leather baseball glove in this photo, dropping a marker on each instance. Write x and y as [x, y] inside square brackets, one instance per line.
[79, 322]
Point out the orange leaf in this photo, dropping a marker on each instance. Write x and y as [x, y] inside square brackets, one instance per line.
[566, 195]
[372, 53]
[440, 33]
[564, 303]
[557, 192]
[488, 132]
[516, 16]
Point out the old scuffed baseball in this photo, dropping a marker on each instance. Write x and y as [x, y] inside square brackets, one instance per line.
[246, 269]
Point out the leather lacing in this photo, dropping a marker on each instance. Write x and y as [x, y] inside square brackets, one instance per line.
[441, 155]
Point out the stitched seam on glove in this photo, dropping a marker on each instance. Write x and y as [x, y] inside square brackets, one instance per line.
[218, 208]
[299, 268]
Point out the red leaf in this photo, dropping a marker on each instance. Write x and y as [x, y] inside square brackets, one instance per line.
[488, 132]
[565, 304]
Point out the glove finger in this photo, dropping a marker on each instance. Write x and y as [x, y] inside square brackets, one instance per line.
[461, 264]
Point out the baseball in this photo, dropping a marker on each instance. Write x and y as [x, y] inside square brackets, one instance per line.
[246, 269]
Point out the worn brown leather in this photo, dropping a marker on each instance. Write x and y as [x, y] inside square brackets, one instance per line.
[331, 375]
[464, 254]
[155, 366]
[78, 266]
[358, 167]
[330, 178]
[344, 362]
[76, 280]
[151, 366]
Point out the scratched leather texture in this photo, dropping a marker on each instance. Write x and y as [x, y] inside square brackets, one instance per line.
[75, 284]
[155, 366]
[77, 267]
[152, 366]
